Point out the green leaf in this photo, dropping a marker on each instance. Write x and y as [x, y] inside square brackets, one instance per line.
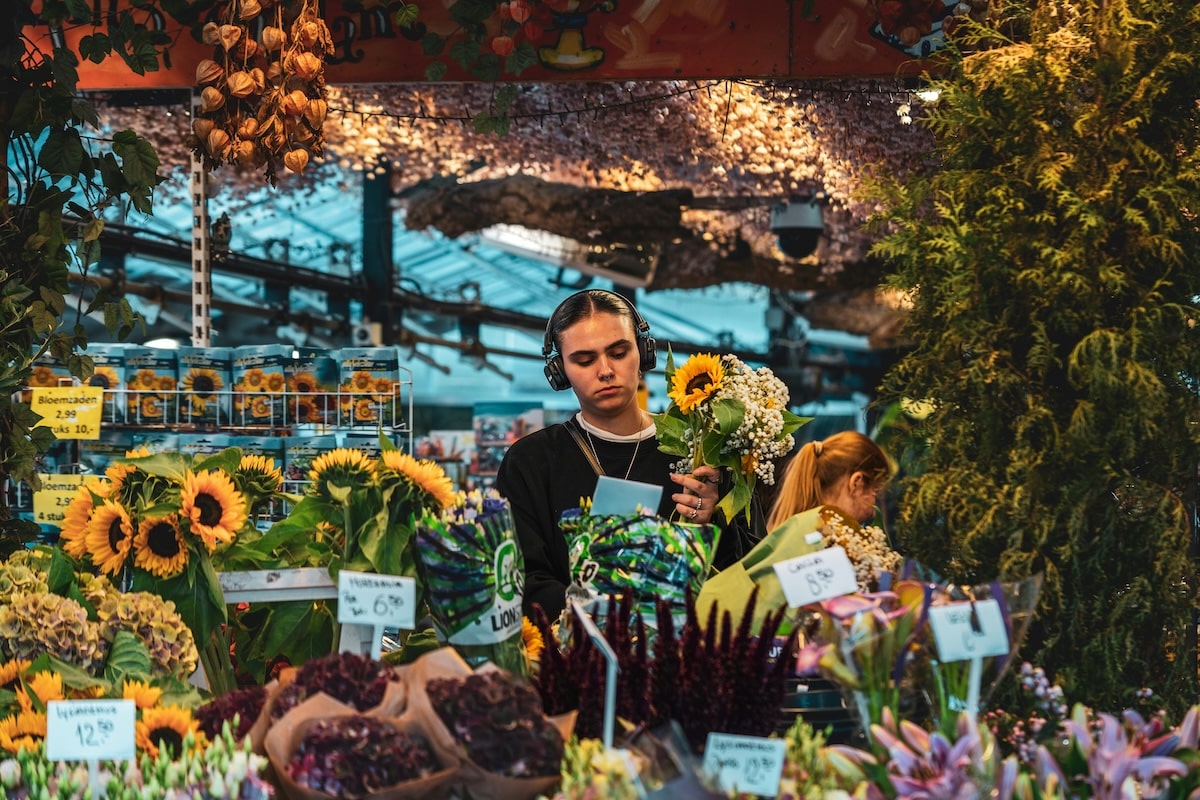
[520, 59]
[435, 71]
[728, 414]
[80, 10]
[139, 162]
[487, 68]
[406, 15]
[62, 153]
[464, 52]
[432, 45]
[128, 657]
[95, 47]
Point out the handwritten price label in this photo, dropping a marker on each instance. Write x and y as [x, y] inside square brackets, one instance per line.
[963, 632]
[72, 412]
[51, 501]
[365, 598]
[817, 576]
[745, 764]
[90, 730]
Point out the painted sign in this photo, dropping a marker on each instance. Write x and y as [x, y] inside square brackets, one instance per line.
[592, 40]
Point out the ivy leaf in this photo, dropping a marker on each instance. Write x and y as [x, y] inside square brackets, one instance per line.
[79, 10]
[435, 71]
[63, 66]
[464, 52]
[406, 15]
[487, 68]
[483, 122]
[520, 59]
[432, 44]
[62, 153]
[139, 162]
[95, 47]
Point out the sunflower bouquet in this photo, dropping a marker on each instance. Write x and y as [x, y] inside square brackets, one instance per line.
[163, 524]
[724, 414]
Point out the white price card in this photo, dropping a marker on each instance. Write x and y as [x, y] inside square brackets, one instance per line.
[817, 576]
[745, 764]
[90, 730]
[968, 630]
[367, 598]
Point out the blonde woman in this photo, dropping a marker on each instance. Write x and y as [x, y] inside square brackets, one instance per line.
[846, 471]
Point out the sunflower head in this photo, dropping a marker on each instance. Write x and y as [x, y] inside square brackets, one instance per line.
[339, 471]
[39, 689]
[169, 728]
[258, 475]
[202, 383]
[696, 381]
[105, 377]
[141, 693]
[10, 671]
[435, 488]
[159, 547]
[533, 641]
[25, 730]
[213, 507]
[109, 537]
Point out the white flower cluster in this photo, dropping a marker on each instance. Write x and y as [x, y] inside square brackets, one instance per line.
[764, 397]
[866, 547]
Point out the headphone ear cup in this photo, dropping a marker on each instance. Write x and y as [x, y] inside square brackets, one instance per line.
[555, 374]
[648, 353]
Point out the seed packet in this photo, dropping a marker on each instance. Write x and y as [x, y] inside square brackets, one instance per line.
[258, 384]
[150, 385]
[48, 372]
[365, 443]
[312, 385]
[202, 444]
[204, 378]
[298, 455]
[109, 361]
[96, 454]
[369, 392]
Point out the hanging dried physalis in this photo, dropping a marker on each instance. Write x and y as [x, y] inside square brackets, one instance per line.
[263, 99]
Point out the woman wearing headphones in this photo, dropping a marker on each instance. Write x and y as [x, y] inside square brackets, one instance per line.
[598, 345]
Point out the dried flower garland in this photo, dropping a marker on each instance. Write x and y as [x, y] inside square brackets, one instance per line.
[262, 100]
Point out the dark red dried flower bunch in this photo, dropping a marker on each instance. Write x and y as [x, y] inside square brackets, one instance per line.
[498, 719]
[348, 757]
[353, 679]
[712, 677]
[244, 705]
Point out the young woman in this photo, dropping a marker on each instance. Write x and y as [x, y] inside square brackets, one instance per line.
[597, 345]
[846, 470]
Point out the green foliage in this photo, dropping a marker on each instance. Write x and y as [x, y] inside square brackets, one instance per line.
[58, 181]
[1053, 260]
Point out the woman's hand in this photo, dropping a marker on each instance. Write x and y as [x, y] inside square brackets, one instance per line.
[698, 500]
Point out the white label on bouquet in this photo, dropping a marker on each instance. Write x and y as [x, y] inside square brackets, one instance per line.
[503, 620]
[969, 630]
[366, 598]
[90, 730]
[817, 576]
[745, 764]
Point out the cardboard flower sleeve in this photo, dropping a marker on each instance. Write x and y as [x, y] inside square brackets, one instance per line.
[285, 736]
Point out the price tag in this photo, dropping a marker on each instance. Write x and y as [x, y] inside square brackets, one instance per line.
[745, 764]
[72, 412]
[366, 598]
[90, 730]
[817, 576]
[51, 501]
[963, 632]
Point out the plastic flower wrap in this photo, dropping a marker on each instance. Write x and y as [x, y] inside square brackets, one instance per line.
[646, 556]
[725, 414]
[470, 561]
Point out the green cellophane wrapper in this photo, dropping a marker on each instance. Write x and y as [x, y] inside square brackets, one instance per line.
[650, 557]
[473, 570]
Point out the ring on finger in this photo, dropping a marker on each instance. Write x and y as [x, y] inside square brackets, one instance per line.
[699, 503]
[693, 514]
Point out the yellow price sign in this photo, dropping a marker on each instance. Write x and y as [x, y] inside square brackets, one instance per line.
[72, 412]
[51, 501]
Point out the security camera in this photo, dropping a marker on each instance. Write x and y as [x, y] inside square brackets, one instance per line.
[799, 226]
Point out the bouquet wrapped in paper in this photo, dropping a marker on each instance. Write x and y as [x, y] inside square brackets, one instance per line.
[646, 556]
[470, 561]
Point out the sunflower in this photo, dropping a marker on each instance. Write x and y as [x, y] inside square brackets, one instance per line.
[11, 670]
[304, 409]
[203, 383]
[142, 694]
[213, 506]
[532, 638]
[364, 410]
[159, 547]
[109, 537]
[22, 731]
[166, 728]
[144, 379]
[342, 467]
[43, 376]
[166, 383]
[260, 471]
[362, 381]
[303, 383]
[275, 382]
[117, 473]
[427, 476]
[253, 379]
[384, 390]
[40, 689]
[260, 407]
[696, 381]
[150, 407]
[105, 377]
[75, 519]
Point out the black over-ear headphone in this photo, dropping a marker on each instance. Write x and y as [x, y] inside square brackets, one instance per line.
[647, 348]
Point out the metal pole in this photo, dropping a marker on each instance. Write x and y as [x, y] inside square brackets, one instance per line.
[201, 253]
